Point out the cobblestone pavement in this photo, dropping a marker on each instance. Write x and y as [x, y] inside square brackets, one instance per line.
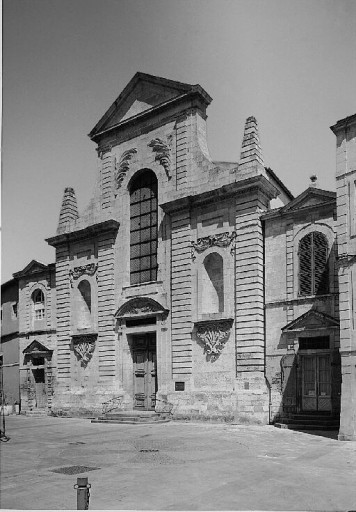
[174, 466]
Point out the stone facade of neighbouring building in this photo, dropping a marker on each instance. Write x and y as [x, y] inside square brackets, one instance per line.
[9, 349]
[302, 306]
[345, 131]
[187, 285]
[37, 337]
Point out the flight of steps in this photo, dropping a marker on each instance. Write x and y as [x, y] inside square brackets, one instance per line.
[132, 417]
[309, 421]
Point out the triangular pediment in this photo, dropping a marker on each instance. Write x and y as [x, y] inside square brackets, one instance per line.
[142, 94]
[309, 198]
[34, 267]
[36, 348]
[312, 320]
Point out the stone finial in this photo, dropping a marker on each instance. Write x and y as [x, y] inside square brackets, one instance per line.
[313, 181]
[69, 210]
[251, 152]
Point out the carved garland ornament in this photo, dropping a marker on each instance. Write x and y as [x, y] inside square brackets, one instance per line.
[83, 347]
[163, 154]
[214, 334]
[77, 272]
[220, 240]
[123, 166]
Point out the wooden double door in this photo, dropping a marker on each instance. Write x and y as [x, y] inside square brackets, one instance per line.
[316, 382]
[144, 371]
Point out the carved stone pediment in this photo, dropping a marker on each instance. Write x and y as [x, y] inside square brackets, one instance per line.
[311, 320]
[219, 240]
[140, 307]
[37, 349]
[83, 346]
[213, 334]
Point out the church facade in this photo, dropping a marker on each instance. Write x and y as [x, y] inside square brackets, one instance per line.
[189, 286]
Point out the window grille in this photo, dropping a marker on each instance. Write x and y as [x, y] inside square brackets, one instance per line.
[313, 264]
[143, 228]
[38, 304]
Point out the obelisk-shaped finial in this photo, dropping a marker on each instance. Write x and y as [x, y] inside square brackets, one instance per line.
[69, 210]
[251, 153]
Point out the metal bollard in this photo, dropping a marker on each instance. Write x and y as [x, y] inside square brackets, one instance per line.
[83, 493]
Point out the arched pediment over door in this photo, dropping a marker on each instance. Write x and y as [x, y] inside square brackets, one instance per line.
[140, 307]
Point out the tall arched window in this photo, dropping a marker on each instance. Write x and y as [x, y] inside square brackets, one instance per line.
[38, 300]
[212, 284]
[143, 228]
[84, 312]
[313, 264]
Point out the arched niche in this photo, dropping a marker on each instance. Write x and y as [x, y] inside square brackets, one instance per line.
[212, 284]
[84, 305]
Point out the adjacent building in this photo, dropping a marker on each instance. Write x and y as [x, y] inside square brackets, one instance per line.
[187, 285]
[9, 348]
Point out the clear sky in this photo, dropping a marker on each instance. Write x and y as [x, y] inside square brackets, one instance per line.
[291, 64]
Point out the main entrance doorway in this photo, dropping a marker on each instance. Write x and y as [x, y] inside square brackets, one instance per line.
[316, 382]
[144, 371]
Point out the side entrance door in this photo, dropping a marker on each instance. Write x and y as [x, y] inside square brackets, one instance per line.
[144, 371]
[316, 382]
[40, 388]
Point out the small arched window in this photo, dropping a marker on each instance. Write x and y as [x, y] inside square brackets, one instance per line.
[143, 228]
[212, 284]
[38, 300]
[84, 309]
[313, 264]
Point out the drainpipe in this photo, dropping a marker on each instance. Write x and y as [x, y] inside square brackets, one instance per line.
[264, 326]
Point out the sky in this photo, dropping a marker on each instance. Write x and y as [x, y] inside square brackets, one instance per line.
[291, 64]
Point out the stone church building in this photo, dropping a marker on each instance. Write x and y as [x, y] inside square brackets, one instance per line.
[190, 286]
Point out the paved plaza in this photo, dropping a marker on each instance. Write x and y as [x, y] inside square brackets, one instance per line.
[174, 466]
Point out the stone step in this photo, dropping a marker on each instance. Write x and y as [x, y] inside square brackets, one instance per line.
[296, 426]
[36, 414]
[308, 416]
[132, 417]
[127, 421]
[134, 413]
[314, 421]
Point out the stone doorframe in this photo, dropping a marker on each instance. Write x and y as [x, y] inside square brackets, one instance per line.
[32, 356]
[140, 315]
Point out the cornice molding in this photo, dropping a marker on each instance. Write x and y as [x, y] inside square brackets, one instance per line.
[87, 232]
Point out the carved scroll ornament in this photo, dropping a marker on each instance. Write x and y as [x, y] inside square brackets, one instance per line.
[83, 347]
[163, 154]
[77, 272]
[220, 240]
[214, 334]
[123, 166]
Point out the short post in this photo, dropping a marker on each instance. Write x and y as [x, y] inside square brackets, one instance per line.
[83, 493]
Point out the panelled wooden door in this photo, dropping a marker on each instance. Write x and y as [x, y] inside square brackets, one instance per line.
[40, 387]
[316, 382]
[145, 371]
